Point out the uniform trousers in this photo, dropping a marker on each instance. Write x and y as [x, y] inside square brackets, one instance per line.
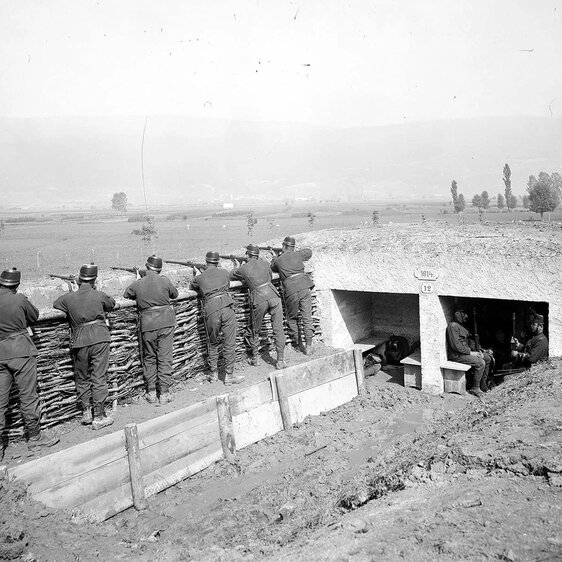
[252, 337]
[301, 301]
[158, 347]
[22, 370]
[222, 320]
[478, 365]
[90, 369]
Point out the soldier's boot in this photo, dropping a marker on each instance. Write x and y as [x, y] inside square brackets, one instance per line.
[230, 378]
[280, 363]
[151, 397]
[101, 420]
[166, 397]
[40, 441]
[254, 359]
[213, 375]
[308, 348]
[87, 417]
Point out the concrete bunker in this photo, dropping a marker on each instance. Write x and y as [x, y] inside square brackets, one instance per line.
[368, 319]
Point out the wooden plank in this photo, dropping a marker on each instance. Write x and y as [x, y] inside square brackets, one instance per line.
[226, 433]
[319, 371]
[246, 399]
[135, 470]
[283, 400]
[359, 373]
[84, 487]
[414, 359]
[109, 504]
[321, 398]
[412, 376]
[259, 423]
[59, 467]
[454, 366]
[370, 343]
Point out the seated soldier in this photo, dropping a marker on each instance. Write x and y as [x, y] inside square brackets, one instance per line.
[536, 348]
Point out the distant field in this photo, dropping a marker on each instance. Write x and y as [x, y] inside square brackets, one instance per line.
[59, 244]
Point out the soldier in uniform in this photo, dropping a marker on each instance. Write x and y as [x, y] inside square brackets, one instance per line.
[158, 321]
[296, 287]
[18, 360]
[89, 344]
[264, 297]
[458, 349]
[536, 348]
[218, 311]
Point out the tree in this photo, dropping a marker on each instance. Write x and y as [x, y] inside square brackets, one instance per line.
[2, 227]
[544, 193]
[500, 204]
[461, 204]
[507, 183]
[119, 202]
[251, 221]
[311, 216]
[375, 218]
[485, 200]
[512, 203]
[525, 201]
[477, 202]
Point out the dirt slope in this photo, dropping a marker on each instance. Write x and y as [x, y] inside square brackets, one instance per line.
[395, 475]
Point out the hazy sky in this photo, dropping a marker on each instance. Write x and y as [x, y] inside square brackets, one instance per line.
[365, 62]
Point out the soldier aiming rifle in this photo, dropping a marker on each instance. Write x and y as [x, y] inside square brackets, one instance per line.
[234, 259]
[136, 270]
[70, 281]
[271, 249]
[188, 263]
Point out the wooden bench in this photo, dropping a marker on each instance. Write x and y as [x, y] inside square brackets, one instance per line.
[372, 343]
[412, 370]
[454, 376]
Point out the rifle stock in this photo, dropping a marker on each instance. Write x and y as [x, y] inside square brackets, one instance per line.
[271, 249]
[71, 278]
[475, 334]
[232, 258]
[188, 263]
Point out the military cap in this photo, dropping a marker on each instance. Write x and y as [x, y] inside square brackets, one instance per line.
[538, 318]
[154, 262]
[212, 257]
[289, 242]
[252, 250]
[88, 271]
[10, 277]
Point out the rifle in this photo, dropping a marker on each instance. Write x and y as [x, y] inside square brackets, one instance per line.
[513, 338]
[200, 266]
[68, 278]
[234, 259]
[271, 249]
[135, 270]
[475, 334]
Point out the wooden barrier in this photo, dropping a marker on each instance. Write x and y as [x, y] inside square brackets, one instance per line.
[102, 477]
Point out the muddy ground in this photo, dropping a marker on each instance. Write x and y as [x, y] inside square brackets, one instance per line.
[395, 475]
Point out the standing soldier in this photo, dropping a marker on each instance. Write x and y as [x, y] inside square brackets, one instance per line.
[264, 297]
[218, 311]
[158, 322]
[18, 360]
[89, 344]
[296, 286]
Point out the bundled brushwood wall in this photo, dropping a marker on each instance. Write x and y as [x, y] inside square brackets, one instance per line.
[125, 378]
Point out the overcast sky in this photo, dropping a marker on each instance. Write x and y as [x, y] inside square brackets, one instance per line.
[365, 62]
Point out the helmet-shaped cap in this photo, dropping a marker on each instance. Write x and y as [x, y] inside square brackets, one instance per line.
[153, 262]
[289, 242]
[538, 318]
[88, 272]
[212, 257]
[252, 250]
[10, 277]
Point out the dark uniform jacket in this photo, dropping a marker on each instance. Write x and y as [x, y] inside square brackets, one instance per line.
[457, 341]
[85, 309]
[536, 348]
[213, 284]
[290, 266]
[257, 275]
[153, 293]
[16, 313]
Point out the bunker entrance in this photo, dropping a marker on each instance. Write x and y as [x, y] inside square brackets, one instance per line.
[496, 321]
[369, 319]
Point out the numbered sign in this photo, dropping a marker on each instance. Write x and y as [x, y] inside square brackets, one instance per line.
[427, 288]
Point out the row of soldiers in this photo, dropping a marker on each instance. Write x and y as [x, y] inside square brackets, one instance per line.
[86, 310]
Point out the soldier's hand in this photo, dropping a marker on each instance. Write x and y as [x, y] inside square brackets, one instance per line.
[515, 341]
[196, 271]
[514, 353]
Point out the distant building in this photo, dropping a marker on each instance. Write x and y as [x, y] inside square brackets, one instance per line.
[228, 205]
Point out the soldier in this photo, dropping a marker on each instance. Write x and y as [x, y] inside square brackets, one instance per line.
[89, 344]
[536, 348]
[297, 295]
[458, 349]
[158, 321]
[18, 360]
[264, 297]
[218, 311]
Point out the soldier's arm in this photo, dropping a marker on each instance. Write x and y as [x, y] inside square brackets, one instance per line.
[59, 304]
[194, 285]
[534, 351]
[236, 275]
[130, 292]
[306, 253]
[273, 265]
[455, 342]
[172, 291]
[31, 311]
[108, 302]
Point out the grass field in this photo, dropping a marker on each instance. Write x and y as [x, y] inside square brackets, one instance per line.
[57, 243]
